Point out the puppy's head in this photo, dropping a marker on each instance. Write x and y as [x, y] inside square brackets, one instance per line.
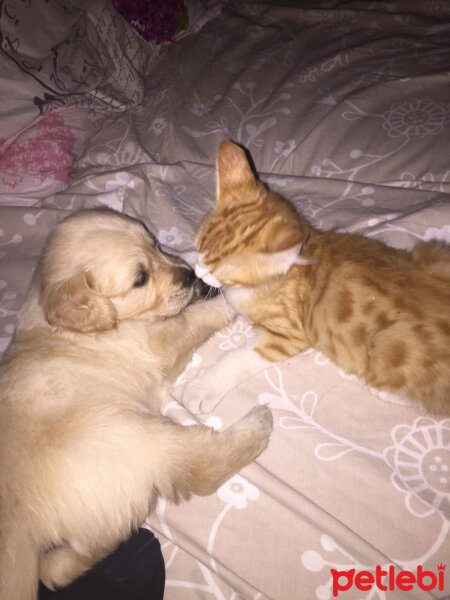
[100, 267]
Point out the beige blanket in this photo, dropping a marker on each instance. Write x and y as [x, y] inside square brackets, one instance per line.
[345, 108]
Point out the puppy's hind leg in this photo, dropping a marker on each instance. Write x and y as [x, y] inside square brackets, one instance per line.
[60, 566]
[206, 459]
[235, 448]
[156, 455]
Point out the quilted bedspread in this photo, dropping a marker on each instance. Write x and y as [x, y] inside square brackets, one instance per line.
[345, 109]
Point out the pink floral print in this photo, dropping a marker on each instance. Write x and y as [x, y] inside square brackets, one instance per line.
[44, 154]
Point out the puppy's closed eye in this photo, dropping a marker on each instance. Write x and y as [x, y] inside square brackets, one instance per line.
[142, 279]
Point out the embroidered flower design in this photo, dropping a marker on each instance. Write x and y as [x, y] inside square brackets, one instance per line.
[236, 335]
[284, 148]
[158, 125]
[331, 17]
[425, 182]
[414, 119]
[438, 233]
[309, 74]
[255, 31]
[129, 154]
[420, 459]
[200, 109]
[171, 237]
[213, 422]
[237, 491]
[46, 154]
[236, 67]
[437, 8]
[195, 362]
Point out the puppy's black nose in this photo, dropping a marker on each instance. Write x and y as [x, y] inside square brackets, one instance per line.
[203, 291]
[187, 277]
[209, 291]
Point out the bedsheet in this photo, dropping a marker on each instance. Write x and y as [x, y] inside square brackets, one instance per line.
[345, 109]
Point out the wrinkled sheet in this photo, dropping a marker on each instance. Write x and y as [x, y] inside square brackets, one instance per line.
[345, 108]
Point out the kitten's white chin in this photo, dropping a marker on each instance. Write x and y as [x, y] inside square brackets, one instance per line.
[204, 274]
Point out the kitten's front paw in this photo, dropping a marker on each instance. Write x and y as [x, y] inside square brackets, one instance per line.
[391, 398]
[202, 395]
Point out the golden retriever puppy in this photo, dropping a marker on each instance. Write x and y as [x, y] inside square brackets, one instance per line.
[84, 450]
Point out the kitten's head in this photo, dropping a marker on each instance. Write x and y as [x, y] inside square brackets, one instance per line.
[252, 235]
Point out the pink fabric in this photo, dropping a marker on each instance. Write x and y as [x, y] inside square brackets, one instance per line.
[42, 152]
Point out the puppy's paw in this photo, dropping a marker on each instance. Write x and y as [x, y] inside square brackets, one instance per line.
[60, 566]
[259, 418]
[255, 428]
[216, 312]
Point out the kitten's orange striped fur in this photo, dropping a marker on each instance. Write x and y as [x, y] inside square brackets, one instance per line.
[377, 312]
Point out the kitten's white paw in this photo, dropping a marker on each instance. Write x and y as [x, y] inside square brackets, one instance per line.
[391, 398]
[202, 395]
[212, 383]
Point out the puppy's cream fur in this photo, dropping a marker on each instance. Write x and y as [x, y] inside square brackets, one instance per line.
[83, 449]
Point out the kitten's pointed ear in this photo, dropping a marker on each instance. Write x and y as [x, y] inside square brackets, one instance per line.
[233, 168]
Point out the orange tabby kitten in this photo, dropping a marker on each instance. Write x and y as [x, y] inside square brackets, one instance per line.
[377, 312]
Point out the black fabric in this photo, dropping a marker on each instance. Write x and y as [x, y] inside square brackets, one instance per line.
[135, 571]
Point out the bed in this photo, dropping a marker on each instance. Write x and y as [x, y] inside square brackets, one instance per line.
[345, 109]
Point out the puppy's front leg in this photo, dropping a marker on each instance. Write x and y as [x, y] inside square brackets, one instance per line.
[174, 341]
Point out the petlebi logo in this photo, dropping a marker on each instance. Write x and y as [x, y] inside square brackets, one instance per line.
[389, 578]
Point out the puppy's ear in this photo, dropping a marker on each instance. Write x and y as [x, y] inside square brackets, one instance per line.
[74, 305]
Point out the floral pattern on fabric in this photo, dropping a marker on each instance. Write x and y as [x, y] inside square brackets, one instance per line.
[355, 132]
[45, 154]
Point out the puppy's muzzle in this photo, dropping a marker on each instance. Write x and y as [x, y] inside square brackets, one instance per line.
[188, 279]
[202, 290]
